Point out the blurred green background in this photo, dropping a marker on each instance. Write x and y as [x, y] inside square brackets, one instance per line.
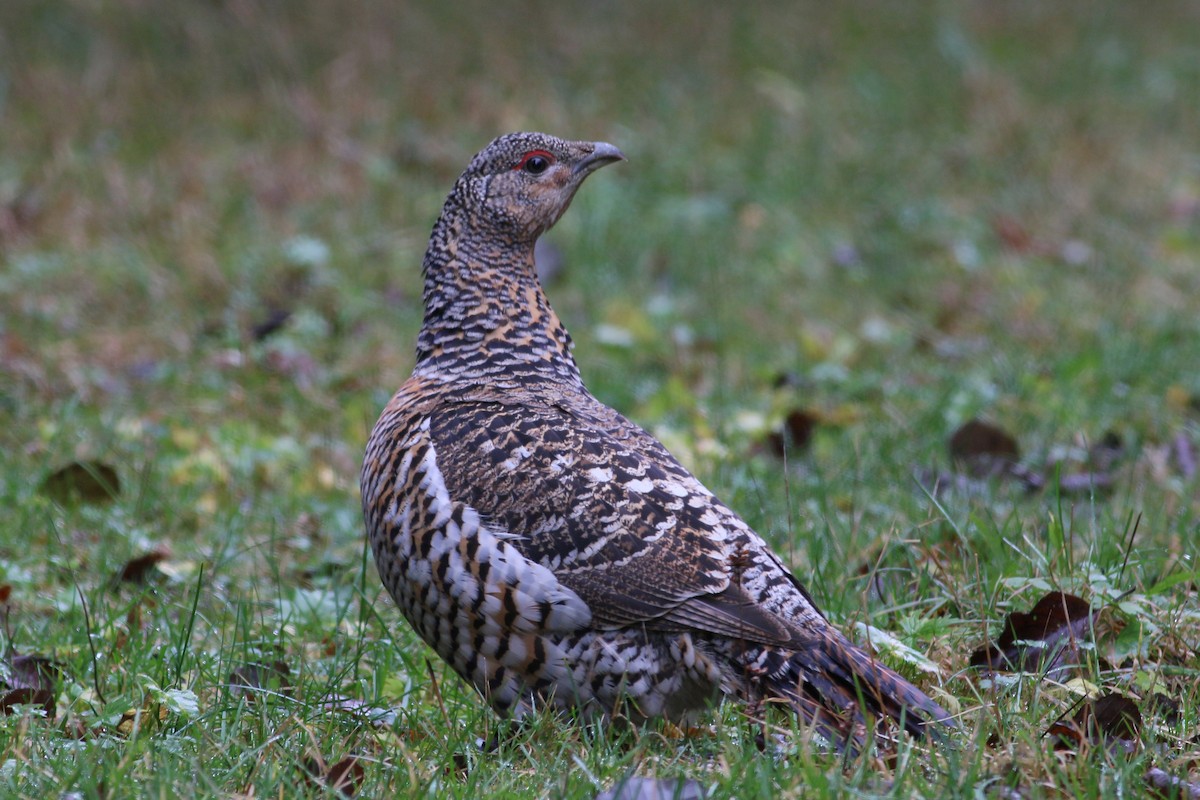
[905, 214]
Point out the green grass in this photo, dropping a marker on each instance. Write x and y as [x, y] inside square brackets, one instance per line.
[918, 213]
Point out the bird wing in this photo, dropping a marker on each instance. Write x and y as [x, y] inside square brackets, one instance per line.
[607, 509]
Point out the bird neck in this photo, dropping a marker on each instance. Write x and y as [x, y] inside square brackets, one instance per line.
[487, 320]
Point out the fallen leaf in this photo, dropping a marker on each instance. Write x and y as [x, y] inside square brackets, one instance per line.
[1045, 639]
[88, 482]
[983, 449]
[1111, 720]
[139, 569]
[1112, 716]
[28, 680]
[344, 777]
[151, 715]
[795, 434]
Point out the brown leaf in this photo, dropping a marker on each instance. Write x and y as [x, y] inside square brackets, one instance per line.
[796, 433]
[28, 680]
[251, 679]
[983, 449]
[88, 482]
[1112, 716]
[984, 452]
[1111, 720]
[139, 570]
[345, 777]
[1046, 638]
[150, 716]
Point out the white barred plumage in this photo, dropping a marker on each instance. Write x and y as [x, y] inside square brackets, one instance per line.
[551, 551]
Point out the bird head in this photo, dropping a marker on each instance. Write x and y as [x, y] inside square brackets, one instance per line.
[522, 183]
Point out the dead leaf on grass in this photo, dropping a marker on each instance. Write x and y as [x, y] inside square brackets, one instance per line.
[1111, 720]
[28, 680]
[148, 717]
[983, 452]
[1045, 639]
[795, 434]
[88, 482]
[984, 449]
[142, 568]
[345, 777]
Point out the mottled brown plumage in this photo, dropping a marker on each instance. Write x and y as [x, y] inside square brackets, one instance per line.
[553, 552]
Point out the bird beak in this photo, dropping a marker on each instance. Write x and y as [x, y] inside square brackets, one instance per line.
[602, 153]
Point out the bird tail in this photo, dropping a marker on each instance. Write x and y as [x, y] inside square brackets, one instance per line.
[831, 683]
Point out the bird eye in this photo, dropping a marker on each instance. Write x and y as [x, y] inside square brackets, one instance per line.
[536, 162]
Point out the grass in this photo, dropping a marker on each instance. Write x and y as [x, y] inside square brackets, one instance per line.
[897, 216]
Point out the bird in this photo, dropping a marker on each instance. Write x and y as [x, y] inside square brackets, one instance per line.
[553, 552]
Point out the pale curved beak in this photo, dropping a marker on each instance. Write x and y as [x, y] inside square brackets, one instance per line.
[602, 153]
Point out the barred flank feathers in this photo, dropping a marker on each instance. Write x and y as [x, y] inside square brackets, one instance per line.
[550, 550]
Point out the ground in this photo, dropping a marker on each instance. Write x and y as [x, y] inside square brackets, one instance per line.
[880, 220]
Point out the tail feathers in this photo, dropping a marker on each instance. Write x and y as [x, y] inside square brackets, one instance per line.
[831, 683]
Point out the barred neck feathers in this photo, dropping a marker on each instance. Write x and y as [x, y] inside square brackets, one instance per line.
[486, 316]
[487, 320]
